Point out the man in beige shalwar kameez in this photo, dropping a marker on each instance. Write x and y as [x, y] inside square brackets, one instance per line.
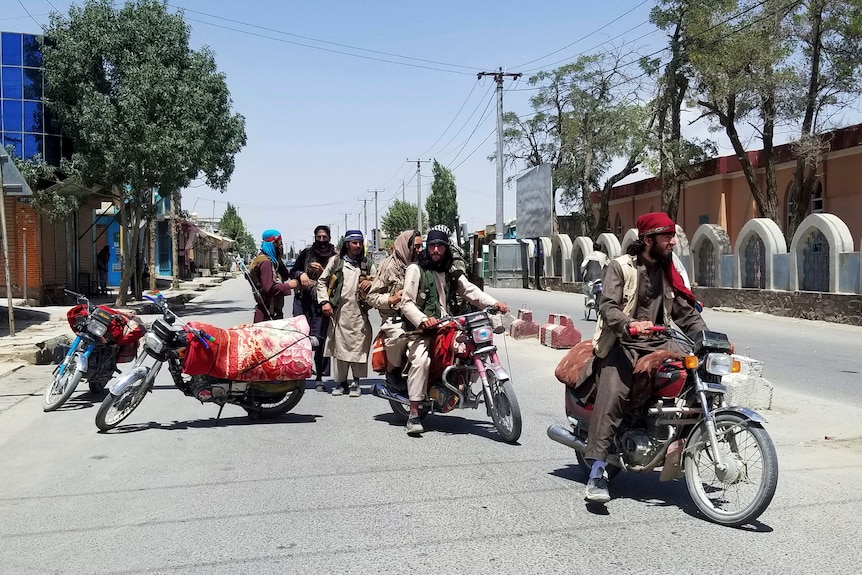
[341, 290]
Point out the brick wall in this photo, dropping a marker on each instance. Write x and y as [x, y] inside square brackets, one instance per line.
[18, 217]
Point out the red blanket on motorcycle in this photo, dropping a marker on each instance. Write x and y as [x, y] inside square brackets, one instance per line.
[125, 329]
[276, 350]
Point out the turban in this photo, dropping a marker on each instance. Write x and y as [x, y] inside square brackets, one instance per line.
[655, 223]
[437, 237]
[354, 236]
[271, 235]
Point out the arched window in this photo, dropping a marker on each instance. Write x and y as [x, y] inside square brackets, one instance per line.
[788, 205]
[817, 199]
[618, 227]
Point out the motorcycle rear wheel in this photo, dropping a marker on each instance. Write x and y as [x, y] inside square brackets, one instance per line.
[116, 408]
[741, 493]
[505, 412]
[279, 407]
[402, 412]
[61, 387]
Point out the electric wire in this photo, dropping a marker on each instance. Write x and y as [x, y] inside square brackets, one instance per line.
[582, 38]
[28, 14]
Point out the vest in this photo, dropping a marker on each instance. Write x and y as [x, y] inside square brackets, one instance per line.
[426, 296]
[604, 338]
[336, 281]
[254, 273]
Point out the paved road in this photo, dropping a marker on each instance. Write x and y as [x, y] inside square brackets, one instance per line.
[338, 487]
[809, 357]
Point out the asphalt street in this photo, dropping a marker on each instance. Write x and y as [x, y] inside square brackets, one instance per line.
[336, 486]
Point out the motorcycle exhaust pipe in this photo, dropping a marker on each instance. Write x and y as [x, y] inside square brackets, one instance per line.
[384, 392]
[562, 435]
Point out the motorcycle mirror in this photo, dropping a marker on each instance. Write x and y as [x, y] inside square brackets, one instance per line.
[498, 329]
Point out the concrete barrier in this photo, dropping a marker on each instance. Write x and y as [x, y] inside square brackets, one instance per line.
[559, 332]
[748, 388]
[524, 326]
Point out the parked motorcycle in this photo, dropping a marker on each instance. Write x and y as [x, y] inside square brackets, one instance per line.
[104, 337]
[206, 368]
[464, 355]
[592, 290]
[686, 427]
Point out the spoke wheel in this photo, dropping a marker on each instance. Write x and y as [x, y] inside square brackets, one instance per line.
[276, 405]
[61, 387]
[504, 408]
[734, 486]
[116, 408]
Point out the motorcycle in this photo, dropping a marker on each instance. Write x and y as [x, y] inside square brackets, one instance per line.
[592, 290]
[104, 337]
[468, 342]
[197, 364]
[686, 427]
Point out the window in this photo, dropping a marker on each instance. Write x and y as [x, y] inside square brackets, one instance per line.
[10, 46]
[618, 227]
[13, 82]
[13, 116]
[817, 199]
[32, 51]
[702, 219]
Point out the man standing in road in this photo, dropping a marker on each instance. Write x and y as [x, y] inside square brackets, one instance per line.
[266, 271]
[341, 290]
[306, 270]
[641, 289]
[425, 300]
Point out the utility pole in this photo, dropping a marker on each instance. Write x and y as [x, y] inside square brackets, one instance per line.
[498, 77]
[419, 192]
[376, 218]
[345, 221]
[403, 187]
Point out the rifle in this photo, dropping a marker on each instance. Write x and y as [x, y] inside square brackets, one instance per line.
[257, 295]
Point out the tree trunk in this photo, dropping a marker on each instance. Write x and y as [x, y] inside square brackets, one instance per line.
[175, 264]
[152, 260]
[808, 155]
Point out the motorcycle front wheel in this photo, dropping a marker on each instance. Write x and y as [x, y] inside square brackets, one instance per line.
[277, 405]
[740, 492]
[504, 408]
[60, 389]
[116, 408]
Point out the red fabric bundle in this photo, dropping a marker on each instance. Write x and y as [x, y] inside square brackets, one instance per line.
[123, 329]
[442, 351]
[276, 350]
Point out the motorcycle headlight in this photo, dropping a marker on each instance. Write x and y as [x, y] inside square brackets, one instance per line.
[96, 327]
[153, 342]
[483, 333]
[719, 364]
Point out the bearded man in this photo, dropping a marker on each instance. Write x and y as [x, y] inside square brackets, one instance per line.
[640, 290]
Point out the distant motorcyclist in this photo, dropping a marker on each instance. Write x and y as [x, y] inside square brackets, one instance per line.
[594, 264]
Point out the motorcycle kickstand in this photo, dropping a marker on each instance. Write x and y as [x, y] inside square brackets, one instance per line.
[218, 417]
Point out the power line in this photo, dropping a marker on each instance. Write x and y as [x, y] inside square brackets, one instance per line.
[28, 14]
[582, 38]
[309, 38]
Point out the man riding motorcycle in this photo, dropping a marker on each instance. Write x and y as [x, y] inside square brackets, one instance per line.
[641, 289]
[424, 301]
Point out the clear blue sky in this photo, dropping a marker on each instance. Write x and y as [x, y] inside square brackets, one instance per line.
[324, 125]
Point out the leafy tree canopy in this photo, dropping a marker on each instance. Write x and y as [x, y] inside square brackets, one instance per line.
[401, 216]
[145, 110]
[442, 202]
[232, 226]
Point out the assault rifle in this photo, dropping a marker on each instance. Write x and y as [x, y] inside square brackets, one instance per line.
[257, 295]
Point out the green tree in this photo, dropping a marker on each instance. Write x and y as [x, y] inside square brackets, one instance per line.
[41, 176]
[828, 67]
[400, 216]
[442, 203]
[232, 226]
[145, 111]
[585, 118]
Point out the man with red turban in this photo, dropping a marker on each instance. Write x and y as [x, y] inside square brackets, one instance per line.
[641, 289]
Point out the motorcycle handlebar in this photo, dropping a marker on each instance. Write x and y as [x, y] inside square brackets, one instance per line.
[653, 329]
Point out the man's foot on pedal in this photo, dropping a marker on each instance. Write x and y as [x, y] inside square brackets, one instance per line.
[414, 425]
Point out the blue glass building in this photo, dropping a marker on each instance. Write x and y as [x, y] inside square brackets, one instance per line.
[25, 124]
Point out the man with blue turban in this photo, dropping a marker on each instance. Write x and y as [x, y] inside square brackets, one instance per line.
[267, 272]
